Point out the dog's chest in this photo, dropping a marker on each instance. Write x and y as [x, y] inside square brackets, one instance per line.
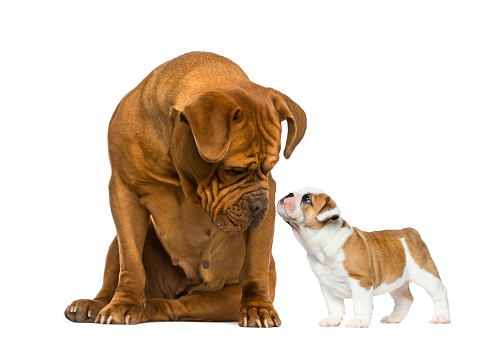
[193, 243]
[201, 250]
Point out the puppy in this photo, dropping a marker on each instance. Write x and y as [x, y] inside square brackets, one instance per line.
[353, 264]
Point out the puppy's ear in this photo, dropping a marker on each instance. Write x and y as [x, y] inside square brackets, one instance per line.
[210, 116]
[329, 211]
[295, 117]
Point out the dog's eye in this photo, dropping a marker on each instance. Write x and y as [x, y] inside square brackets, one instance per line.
[306, 199]
[235, 171]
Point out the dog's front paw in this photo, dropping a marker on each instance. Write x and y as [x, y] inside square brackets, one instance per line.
[83, 310]
[121, 311]
[331, 321]
[258, 314]
[359, 322]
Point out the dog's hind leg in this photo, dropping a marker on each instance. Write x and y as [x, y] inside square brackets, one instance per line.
[220, 305]
[403, 299]
[85, 310]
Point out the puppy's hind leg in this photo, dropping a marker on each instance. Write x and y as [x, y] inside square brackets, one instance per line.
[403, 299]
[423, 272]
[437, 291]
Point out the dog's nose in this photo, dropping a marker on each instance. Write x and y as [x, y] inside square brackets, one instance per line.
[289, 195]
[257, 205]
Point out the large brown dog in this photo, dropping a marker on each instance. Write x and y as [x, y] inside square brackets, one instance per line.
[191, 150]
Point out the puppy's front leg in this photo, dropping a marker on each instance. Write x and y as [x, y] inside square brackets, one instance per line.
[336, 308]
[362, 299]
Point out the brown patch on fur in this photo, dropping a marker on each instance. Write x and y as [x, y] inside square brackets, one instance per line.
[419, 251]
[376, 258]
[320, 203]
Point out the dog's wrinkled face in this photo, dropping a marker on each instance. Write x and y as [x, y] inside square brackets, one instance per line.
[310, 208]
[237, 195]
[236, 143]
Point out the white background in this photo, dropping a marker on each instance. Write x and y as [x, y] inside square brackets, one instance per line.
[401, 105]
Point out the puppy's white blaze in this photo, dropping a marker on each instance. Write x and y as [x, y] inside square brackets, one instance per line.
[327, 214]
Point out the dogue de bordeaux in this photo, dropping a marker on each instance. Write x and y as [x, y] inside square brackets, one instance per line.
[191, 150]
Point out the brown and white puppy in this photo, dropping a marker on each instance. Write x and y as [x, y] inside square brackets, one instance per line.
[192, 197]
[353, 264]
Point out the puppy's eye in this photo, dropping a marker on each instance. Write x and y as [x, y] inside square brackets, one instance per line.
[306, 199]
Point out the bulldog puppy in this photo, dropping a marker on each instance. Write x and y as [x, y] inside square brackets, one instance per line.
[353, 264]
[191, 150]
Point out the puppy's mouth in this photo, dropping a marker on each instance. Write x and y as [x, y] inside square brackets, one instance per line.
[291, 221]
[284, 206]
[284, 210]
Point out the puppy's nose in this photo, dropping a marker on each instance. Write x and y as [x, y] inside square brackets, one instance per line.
[289, 195]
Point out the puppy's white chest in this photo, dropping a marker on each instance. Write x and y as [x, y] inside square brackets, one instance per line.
[331, 273]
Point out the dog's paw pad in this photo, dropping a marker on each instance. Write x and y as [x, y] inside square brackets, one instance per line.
[258, 315]
[83, 310]
[116, 313]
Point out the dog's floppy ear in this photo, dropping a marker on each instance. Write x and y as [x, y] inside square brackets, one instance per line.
[296, 118]
[329, 211]
[210, 116]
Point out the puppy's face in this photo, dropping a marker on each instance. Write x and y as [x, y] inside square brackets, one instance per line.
[309, 208]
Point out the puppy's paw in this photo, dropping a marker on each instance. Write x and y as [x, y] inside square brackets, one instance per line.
[390, 319]
[359, 322]
[440, 319]
[331, 321]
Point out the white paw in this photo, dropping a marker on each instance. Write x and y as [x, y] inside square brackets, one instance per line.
[358, 322]
[440, 319]
[331, 321]
[390, 319]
